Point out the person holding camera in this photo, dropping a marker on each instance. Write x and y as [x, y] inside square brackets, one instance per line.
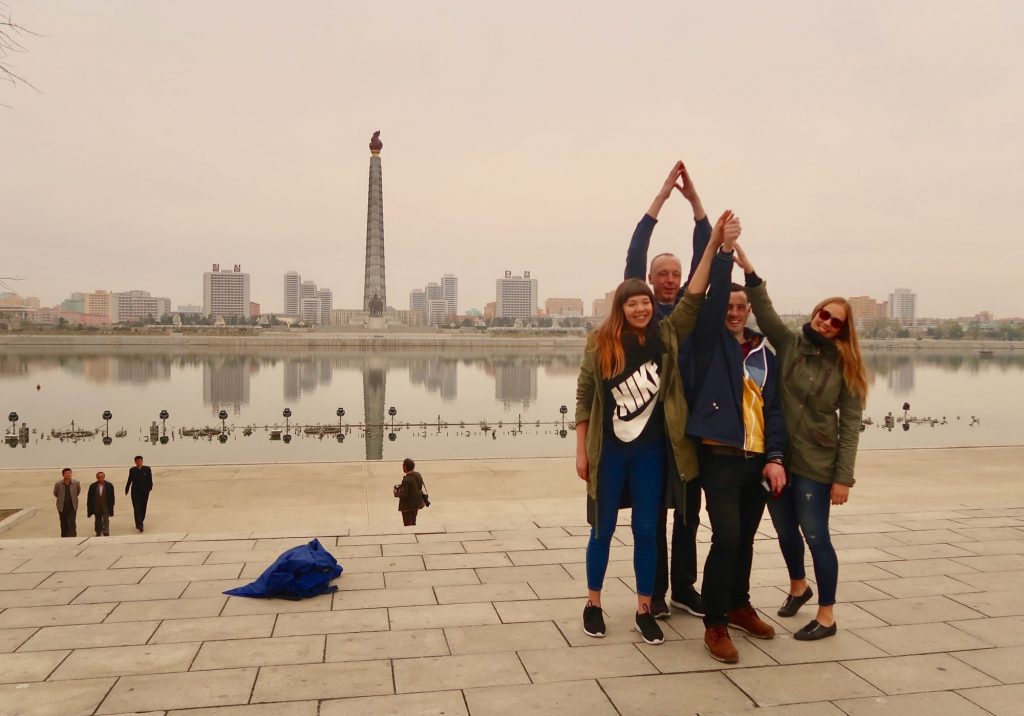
[410, 494]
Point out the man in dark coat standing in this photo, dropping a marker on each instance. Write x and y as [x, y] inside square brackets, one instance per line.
[100, 502]
[140, 482]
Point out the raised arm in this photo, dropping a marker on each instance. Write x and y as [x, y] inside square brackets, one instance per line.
[636, 254]
[701, 225]
[712, 315]
[727, 223]
[767, 319]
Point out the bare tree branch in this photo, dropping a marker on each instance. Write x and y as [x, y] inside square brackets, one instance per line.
[6, 286]
[11, 34]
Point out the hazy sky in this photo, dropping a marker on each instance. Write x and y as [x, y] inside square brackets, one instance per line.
[866, 145]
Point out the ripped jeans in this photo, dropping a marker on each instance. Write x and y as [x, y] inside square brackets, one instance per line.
[804, 507]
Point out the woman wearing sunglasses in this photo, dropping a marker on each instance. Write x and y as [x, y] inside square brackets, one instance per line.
[823, 387]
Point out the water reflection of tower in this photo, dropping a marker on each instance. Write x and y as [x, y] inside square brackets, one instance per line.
[305, 376]
[98, 369]
[374, 384]
[141, 371]
[226, 382]
[515, 381]
[901, 378]
[438, 375]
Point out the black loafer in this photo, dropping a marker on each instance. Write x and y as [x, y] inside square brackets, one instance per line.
[814, 631]
[792, 604]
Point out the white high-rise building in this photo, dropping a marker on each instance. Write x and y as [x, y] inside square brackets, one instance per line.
[292, 293]
[450, 293]
[417, 300]
[903, 305]
[437, 312]
[226, 293]
[311, 310]
[516, 296]
[326, 297]
[137, 306]
[434, 292]
[307, 289]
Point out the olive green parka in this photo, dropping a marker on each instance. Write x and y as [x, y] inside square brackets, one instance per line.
[822, 415]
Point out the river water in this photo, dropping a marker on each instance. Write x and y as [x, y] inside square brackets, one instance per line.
[463, 403]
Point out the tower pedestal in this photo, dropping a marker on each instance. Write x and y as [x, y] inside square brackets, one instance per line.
[376, 323]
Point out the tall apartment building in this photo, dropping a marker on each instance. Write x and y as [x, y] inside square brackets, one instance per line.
[226, 293]
[307, 289]
[417, 300]
[99, 303]
[137, 305]
[564, 307]
[292, 293]
[310, 310]
[450, 293]
[866, 310]
[74, 304]
[326, 298]
[437, 311]
[903, 305]
[434, 292]
[516, 296]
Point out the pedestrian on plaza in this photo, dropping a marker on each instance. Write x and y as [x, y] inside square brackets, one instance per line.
[666, 280]
[823, 388]
[66, 491]
[736, 417]
[99, 502]
[410, 493]
[140, 482]
[630, 407]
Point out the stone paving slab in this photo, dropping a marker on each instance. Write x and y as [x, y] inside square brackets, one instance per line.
[459, 618]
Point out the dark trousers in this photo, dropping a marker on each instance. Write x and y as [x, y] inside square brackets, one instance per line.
[735, 500]
[804, 506]
[684, 545]
[102, 524]
[139, 502]
[409, 517]
[68, 528]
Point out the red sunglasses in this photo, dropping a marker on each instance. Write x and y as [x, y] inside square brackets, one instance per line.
[837, 323]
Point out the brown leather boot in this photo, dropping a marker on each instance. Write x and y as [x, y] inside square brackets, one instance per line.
[719, 644]
[747, 619]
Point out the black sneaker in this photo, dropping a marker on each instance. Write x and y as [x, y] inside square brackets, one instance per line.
[690, 602]
[659, 608]
[593, 621]
[648, 627]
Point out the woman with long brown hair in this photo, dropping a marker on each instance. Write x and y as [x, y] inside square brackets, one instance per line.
[824, 388]
[629, 405]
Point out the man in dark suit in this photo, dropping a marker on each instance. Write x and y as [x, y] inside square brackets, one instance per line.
[100, 502]
[66, 491]
[140, 482]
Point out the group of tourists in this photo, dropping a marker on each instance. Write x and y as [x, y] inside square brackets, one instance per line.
[100, 499]
[676, 395]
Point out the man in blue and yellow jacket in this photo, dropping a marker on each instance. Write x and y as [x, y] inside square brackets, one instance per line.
[736, 417]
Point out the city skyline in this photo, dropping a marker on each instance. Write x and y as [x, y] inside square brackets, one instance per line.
[151, 149]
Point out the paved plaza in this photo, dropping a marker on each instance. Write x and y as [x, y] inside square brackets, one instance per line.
[477, 610]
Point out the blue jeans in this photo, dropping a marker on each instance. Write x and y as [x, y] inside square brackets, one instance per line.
[638, 466]
[804, 507]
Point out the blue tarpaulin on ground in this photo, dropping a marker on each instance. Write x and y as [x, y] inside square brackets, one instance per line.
[303, 571]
